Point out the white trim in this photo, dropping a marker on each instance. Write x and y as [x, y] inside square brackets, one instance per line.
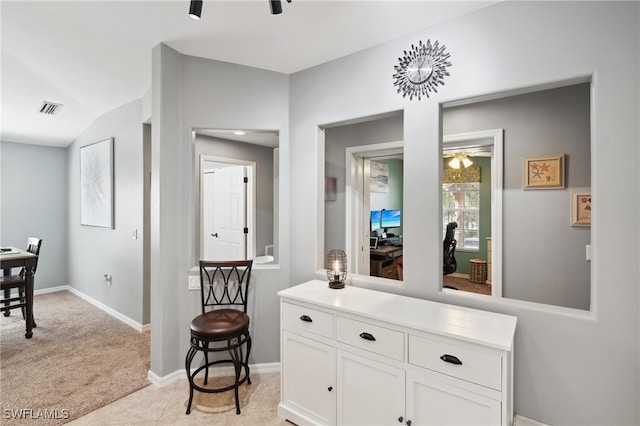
[519, 420]
[265, 368]
[125, 319]
[355, 194]
[493, 138]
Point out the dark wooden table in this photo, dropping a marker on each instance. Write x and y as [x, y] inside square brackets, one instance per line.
[28, 261]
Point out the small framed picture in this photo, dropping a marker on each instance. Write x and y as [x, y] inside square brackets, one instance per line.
[330, 189]
[544, 172]
[581, 207]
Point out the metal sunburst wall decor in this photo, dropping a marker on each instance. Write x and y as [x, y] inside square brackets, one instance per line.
[421, 69]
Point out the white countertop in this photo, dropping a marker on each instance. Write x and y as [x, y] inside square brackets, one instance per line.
[473, 325]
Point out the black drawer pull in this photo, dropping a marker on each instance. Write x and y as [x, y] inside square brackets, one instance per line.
[367, 336]
[452, 359]
[306, 318]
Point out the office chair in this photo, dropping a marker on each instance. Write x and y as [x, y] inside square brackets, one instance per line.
[449, 248]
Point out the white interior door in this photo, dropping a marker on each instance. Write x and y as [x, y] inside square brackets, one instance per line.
[224, 213]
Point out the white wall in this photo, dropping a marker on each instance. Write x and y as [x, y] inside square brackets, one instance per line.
[33, 189]
[570, 367]
[94, 251]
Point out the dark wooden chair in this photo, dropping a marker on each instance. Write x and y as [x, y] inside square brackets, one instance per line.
[9, 282]
[223, 325]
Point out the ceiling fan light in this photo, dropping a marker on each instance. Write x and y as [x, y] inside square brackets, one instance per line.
[195, 9]
[276, 7]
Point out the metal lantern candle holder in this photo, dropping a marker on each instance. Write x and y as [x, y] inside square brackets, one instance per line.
[336, 268]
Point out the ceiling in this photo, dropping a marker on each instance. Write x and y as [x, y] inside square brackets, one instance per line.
[93, 56]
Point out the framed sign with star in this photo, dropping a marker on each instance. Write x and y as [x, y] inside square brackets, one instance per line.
[544, 172]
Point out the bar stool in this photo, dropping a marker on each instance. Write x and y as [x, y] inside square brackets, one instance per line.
[223, 325]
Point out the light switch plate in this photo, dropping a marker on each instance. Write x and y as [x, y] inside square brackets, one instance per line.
[194, 282]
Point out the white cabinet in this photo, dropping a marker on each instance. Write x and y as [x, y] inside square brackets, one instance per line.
[431, 402]
[371, 393]
[308, 372]
[361, 357]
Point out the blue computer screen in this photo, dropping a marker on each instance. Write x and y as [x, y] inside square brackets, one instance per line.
[391, 219]
[375, 219]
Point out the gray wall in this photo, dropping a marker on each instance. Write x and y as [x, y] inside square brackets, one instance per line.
[543, 256]
[337, 139]
[263, 157]
[190, 93]
[564, 373]
[34, 204]
[94, 251]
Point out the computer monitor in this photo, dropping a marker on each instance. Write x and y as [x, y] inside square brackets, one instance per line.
[376, 216]
[390, 219]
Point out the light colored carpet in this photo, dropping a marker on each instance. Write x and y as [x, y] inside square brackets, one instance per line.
[79, 359]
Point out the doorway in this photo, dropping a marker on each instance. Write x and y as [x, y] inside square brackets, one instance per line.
[227, 199]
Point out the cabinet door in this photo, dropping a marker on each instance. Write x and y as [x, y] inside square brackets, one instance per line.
[369, 393]
[308, 378]
[430, 402]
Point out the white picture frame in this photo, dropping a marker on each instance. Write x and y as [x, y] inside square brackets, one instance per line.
[379, 177]
[96, 184]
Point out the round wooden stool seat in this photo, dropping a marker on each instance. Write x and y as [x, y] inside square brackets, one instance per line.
[219, 324]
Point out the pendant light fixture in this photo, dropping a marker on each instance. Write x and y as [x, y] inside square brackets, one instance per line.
[458, 159]
[195, 9]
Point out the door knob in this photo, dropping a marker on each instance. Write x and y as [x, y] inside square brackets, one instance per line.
[215, 235]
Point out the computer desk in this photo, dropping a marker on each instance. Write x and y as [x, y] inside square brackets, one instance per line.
[383, 261]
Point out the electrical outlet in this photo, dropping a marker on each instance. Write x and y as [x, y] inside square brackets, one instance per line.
[194, 282]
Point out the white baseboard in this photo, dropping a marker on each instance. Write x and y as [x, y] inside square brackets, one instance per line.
[265, 368]
[125, 319]
[519, 420]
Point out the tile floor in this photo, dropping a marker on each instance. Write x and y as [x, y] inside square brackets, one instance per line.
[167, 405]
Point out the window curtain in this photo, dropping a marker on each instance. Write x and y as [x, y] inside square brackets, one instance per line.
[468, 175]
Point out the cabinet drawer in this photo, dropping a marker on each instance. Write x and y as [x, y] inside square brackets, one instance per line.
[476, 366]
[296, 317]
[372, 338]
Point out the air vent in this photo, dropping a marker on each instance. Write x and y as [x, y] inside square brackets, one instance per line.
[50, 108]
